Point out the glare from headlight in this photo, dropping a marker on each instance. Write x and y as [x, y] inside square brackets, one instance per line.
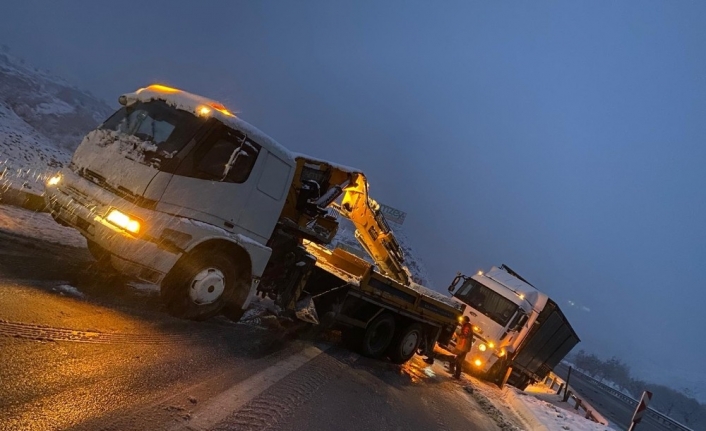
[482, 347]
[54, 180]
[491, 344]
[477, 362]
[124, 221]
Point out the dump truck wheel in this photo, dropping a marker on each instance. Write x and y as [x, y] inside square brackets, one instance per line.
[405, 343]
[199, 285]
[378, 335]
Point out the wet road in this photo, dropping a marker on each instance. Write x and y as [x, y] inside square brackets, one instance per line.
[81, 350]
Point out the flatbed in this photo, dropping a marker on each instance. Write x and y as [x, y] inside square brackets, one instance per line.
[362, 294]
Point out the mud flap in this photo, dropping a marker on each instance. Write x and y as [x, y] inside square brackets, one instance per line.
[305, 310]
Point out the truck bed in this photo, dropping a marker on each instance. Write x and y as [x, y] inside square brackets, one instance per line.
[414, 299]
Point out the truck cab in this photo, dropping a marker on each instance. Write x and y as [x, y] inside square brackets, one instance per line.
[502, 309]
[175, 180]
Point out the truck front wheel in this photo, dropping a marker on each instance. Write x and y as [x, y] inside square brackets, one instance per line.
[199, 285]
[378, 335]
[405, 343]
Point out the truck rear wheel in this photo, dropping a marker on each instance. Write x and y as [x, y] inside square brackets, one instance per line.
[199, 285]
[378, 336]
[405, 343]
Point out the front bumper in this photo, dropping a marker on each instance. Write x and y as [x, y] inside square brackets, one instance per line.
[83, 205]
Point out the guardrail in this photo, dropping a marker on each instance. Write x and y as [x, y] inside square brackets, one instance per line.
[651, 413]
[552, 379]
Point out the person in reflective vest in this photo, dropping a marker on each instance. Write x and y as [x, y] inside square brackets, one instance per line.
[463, 346]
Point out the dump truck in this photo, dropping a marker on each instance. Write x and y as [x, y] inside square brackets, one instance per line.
[176, 190]
[520, 334]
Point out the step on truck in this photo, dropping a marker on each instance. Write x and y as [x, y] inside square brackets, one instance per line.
[520, 334]
[176, 190]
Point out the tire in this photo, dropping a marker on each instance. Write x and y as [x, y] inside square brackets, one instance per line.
[405, 343]
[378, 336]
[200, 285]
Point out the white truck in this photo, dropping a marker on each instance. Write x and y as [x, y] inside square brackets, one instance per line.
[520, 334]
[176, 190]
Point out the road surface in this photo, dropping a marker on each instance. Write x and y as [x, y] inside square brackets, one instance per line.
[81, 350]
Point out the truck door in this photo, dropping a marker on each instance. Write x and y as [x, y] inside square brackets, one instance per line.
[267, 199]
[216, 179]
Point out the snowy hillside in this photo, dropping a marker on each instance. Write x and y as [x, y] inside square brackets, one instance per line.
[346, 240]
[42, 120]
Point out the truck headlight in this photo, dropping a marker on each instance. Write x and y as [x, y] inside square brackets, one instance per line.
[477, 362]
[482, 347]
[56, 179]
[123, 221]
[491, 344]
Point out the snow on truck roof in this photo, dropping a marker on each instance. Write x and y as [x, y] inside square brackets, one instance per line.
[528, 292]
[203, 106]
[330, 163]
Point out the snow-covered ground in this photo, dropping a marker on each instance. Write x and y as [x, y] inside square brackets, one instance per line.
[536, 409]
[38, 225]
[548, 408]
[42, 120]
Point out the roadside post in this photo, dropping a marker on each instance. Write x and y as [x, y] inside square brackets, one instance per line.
[566, 388]
[640, 410]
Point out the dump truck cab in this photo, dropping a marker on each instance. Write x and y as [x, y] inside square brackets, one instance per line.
[515, 326]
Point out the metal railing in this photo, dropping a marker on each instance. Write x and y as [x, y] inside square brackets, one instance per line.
[552, 379]
[651, 413]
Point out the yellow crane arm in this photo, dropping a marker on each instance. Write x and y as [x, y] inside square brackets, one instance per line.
[372, 230]
[316, 187]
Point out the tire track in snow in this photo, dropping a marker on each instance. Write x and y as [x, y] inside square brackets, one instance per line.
[50, 333]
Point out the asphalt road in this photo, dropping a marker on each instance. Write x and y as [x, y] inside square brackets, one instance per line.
[617, 411]
[81, 350]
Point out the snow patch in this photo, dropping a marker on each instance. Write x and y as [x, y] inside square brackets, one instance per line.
[55, 107]
[69, 290]
[41, 226]
[556, 418]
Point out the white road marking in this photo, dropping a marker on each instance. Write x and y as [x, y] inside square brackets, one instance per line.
[219, 407]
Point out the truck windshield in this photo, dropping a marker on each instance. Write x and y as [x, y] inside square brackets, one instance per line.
[160, 130]
[487, 301]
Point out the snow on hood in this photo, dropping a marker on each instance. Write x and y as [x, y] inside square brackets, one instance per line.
[189, 102]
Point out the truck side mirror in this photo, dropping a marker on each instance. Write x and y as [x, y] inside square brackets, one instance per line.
[454, 283]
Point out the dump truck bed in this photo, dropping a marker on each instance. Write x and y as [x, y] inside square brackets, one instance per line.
[360, 275]
[547, 344]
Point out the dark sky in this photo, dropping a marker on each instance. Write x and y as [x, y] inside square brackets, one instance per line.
[565, 139]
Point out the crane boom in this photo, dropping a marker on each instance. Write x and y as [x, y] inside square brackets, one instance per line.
[372, 230]
[317, 186]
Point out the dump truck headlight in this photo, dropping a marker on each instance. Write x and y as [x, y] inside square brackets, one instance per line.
[56, 179]
[482, 347]
[491, 344]
[477, 362]
[124, 221]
